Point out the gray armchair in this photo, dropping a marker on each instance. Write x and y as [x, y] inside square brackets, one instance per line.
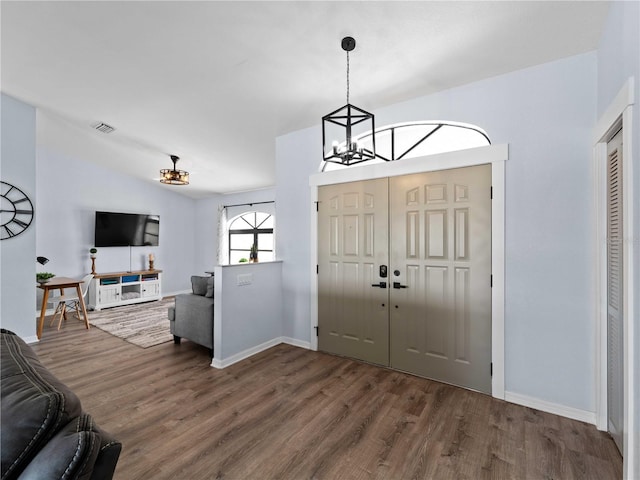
[192, 315]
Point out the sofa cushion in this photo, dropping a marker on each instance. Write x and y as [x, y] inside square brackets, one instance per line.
[35, 404]
[199, 285]
[209, 293]
[202, 286]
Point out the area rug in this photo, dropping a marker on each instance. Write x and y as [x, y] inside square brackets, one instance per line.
[144, 324]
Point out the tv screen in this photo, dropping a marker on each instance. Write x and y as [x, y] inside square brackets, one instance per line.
[126, 229]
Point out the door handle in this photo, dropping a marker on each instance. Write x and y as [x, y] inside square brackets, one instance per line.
[379, 285]
[397, 285]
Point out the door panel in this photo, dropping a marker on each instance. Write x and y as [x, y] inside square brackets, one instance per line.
[352, 244]
[440, 320]
[615, 385]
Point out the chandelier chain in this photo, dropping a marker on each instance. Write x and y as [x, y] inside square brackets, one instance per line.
[347, 76]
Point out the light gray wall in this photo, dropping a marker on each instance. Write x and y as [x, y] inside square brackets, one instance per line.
[619, 59]
[247, 316]
[545, 114]
[618, 52]
[18, 254]
[206, 234]
[71, 189]
[297, 157]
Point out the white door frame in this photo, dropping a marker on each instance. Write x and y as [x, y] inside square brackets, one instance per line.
[496, 155]
[618, 114]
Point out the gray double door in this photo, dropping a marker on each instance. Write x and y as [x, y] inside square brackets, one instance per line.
[404, 273]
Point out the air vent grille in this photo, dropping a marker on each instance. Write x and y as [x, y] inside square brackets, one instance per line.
[103, 127]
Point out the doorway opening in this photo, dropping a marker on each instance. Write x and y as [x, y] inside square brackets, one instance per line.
[495, 156]
[404, 271]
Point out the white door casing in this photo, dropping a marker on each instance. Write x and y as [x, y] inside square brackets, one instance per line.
[618, 115]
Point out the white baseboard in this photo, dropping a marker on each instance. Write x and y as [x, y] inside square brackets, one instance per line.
[224, 363]
[238, 357]
[550, 407]
[296, 343]
[31, 340]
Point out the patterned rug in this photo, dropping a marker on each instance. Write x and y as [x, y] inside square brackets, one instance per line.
[143, 324]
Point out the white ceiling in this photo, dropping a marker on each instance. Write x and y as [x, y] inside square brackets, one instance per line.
[216, 82]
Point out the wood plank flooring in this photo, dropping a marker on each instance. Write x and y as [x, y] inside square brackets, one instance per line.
[290, 413]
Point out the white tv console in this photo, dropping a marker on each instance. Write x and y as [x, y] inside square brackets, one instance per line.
[124, 288]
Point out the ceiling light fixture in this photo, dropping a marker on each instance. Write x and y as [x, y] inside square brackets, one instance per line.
[346, 122]
[174, 176]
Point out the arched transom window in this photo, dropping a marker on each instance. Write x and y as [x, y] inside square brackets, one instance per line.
[249, 230]
[417, 139]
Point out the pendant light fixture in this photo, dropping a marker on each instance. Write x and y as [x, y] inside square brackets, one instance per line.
[342, 127]
[174, 176]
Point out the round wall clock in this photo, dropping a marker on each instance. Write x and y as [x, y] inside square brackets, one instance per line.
[16, 211]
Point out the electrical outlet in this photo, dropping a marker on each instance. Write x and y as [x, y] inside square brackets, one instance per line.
[245, 279]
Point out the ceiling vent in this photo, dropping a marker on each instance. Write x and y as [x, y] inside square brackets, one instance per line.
[103, 127]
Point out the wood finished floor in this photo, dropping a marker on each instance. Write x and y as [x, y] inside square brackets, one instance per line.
[290, 413]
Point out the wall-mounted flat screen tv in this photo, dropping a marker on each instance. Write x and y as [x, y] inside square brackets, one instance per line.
[126, 229]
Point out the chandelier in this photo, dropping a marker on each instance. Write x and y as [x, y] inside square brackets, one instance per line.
[347, 122]
[174, 176]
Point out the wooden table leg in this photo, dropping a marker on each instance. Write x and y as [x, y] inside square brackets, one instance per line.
[64, 310]
[84, 307]
[43, 310]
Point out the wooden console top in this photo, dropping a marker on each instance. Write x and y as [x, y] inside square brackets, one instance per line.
[122, 274]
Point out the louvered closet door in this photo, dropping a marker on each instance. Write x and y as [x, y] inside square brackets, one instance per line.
[614, 290]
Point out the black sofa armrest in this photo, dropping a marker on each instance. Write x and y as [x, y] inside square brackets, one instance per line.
[107, 460]
[45, 433]
[71, 454]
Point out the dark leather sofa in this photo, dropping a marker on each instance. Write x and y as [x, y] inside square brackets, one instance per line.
[44, 432]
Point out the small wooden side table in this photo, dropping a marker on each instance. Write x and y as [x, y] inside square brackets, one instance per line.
[61, 283]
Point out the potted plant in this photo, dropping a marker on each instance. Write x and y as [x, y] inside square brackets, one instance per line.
[93, 252]
[253, 253]
[243, 260]
[44, 277]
